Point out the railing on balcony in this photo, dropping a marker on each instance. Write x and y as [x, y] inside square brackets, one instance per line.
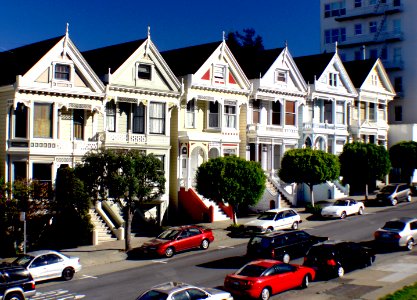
[367, 39]
[52, 146]
[271, 129]
[370, 11]
[115, 137]
[324, 126]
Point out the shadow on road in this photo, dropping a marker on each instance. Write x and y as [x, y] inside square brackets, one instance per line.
[234, 262]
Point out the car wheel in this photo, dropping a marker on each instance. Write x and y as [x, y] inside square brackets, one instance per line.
[409, 198]
[265, 294]
[204, 244]
[294, 225]
[269, 230]
[410, 245]
[169, 252]
[286, 258]
[340, 271]
[360, 212]
[306, 281]
[15, 296]
[67, 274]
[394, 202]
[343, 215]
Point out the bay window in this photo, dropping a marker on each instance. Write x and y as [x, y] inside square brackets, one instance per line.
[230, 116]
[42, 124]
[290, 113]
[157, 118]
[138, 119]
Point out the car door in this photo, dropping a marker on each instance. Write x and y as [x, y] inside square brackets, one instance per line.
[279, 221]
[38, 268]
[182, 242]
[353, 255]
[55, 265]
[413, 228]
[194, 237]
[281, 278]
[352, 207]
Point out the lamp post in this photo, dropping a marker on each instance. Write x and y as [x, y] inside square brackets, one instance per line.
[23, 219]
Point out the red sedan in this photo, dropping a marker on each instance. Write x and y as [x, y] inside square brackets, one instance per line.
[177, 239]
[265, 277]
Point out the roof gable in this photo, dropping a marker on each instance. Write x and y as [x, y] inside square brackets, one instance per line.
[313, 66]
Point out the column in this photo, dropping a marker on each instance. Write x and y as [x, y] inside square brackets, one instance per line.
[55, 123]
[272, 159]
[247, 151]
[334, 111]
[264, 157]
[257, 152]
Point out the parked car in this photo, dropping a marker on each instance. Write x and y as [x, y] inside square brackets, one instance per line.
[48, 264]
[334, 258]
[274, 219]
[177, 239]
[182, 291]
[16, 283]
[282, 245]
[394, 193]
[342, 208]
[265, 277]
[400, 232]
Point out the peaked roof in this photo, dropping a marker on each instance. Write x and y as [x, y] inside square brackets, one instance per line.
[358, 70]
[312, 66]
[101, 59]
[188, 60]
[258, 63]
[19, 60]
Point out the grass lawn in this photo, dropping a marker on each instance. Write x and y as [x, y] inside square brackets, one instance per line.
[406, 293]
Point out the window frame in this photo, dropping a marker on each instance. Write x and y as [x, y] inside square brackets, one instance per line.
[281, 76]
[219, 73]
[290, 115]
[230, 116]
[62, 72]
[78, 123]
[111, 116]
[161, 120]
[38, 131]
[332, 79]
[190, 120]
[148, 75]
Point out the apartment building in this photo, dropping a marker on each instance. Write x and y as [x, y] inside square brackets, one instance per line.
[382, 29]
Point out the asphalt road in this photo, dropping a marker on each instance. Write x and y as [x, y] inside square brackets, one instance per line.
[209, 268]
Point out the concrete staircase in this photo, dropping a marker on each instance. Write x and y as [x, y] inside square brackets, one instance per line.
[218, 215]
[103, 231]
[274, 191]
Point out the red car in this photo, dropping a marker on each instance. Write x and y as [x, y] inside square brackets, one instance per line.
[265, 277]
[177, 239]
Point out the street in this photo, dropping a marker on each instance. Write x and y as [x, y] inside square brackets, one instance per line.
[125, 280]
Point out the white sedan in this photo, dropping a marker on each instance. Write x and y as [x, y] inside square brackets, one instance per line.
[342, 208]
[48, 264]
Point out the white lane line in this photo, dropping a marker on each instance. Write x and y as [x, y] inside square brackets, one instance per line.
[88, 276]
[160, 261]
[225, 247]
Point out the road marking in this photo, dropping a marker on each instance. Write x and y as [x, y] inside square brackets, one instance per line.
[57, 295]
[88, 276]
[225, 247]
[160, 261]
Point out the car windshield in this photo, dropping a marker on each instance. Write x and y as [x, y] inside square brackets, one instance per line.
[340, 203]
[23, 260]
[263, 242]
[251, 271]
[169, 234]
[266, 216]
[394, 225]
[388, 189]
[153, 295]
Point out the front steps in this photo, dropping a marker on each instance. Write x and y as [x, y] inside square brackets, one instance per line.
[103, 232]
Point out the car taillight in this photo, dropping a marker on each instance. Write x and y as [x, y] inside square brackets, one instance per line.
[305, 258]
[32, 286]
[249, 283]
[273, 253]
[331, 262]
[377, 234]
[396, 236]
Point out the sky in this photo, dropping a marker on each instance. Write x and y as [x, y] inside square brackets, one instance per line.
[173, 23]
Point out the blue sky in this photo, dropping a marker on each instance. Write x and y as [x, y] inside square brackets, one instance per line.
[174, 23]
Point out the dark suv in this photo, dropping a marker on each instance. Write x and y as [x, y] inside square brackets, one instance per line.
[333, 258]
[282, 245]
[394, 193]
[16, 283]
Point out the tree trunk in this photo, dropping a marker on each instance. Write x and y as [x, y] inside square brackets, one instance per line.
[128, 227]
[234, 216]
[311, 194]
[366, 191]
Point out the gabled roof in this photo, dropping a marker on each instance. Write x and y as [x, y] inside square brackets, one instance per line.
[101, 59]
[188, 60]
[312, 66]
[358, 70]
[19, 60]
[256, 64]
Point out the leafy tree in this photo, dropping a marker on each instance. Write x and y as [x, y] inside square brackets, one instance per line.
[362, 164]
[403, 155]
[129, 175]
[248, 40]
[232, 180]
[309, 166]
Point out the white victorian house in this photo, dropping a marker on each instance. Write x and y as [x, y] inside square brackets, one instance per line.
[51, 107]
[369, 115]
[141, 92]
[211, 119]
[331, 92]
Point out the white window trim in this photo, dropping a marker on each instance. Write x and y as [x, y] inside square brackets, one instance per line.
[277, 72]
[193, 114]
[219, 81]
[335, 75]
[137, 70]
[60, 82]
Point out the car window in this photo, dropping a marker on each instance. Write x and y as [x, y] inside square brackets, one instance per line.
[193, 231]
[394, 225]
[52, 258]
[292, 238]
[280, 216]
[23, 260]
[413, 225]
[181, 295]
[39, 261]
[352, 202]
[267, 216]
[279, 240]
[184, 234]
[196, 294]
[251, 271]
[283, 268]
[340, 203]
[388, 189]
[302, 235]
[169, 234]
[153, 295]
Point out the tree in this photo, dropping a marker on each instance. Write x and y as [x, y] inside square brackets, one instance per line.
[403, 156]
[362, 164]
[231, 180]
[129, 175]
[309, 166]
[248, 40]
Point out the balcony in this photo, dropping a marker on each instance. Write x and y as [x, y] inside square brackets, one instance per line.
[274, 131]
[370, 11]
[371, 39]
[325, 128]
[131, 139]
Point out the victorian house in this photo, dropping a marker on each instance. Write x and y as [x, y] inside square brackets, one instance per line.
[211, 118]
[331, 92]
[368, 115]
[141, 92]
[51, 107]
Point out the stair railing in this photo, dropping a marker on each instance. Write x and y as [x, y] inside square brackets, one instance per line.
[280, 186]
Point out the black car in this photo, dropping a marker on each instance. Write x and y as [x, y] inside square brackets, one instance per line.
[16, 283]
[394, 193]
[282, 245]
[333, 258]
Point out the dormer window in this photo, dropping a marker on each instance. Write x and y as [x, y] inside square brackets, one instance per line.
[62, 72]
[281, 76]
[332, 79]
[219, 74]
[144, 71]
